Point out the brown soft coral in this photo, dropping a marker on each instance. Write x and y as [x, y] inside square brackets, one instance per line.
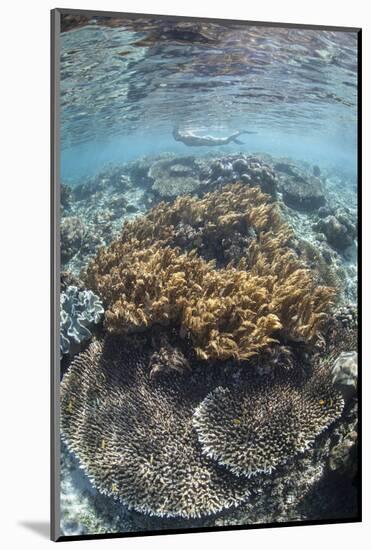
[204, 224]
[299, 302]
[221, 310]
[236, 311]
[200, 225]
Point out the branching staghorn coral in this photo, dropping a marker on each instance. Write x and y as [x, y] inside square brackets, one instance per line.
[236, 311]
[255, 429]
[134, 437]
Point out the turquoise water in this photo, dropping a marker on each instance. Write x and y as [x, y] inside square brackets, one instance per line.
[124, 89]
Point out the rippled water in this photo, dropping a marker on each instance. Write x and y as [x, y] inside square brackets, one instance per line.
[124, 87]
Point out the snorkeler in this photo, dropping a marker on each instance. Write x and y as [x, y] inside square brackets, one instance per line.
[192, 140]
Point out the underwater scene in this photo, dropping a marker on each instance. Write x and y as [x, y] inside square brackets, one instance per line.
[208, 291]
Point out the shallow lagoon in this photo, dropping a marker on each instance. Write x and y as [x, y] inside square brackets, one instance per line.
[124, 87]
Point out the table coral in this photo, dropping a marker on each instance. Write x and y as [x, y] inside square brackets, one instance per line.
[175, 176]
[135, 439]
[135, 436]
[260, 427]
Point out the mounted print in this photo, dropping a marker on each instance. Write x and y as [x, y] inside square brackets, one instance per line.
[205, 274]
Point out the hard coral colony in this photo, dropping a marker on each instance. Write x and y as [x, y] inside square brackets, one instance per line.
[197, 282]
[258, 428]
[153, 276]
[135, 438]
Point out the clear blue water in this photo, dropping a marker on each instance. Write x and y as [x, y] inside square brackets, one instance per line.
[123, 89]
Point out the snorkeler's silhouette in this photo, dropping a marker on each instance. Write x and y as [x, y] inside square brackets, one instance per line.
[192, 140]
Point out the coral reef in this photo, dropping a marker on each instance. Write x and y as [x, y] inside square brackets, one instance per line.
[112, 180]
[161, 286]
[228, 312]
[320, 262]
[346, 316]
[345, 373]
[343, 456]
[138, 171]
[230, 277]
[295, 492]
[121, 192]
[175, 176]
[96, 212]
[339, 230]
[246, 168]
[303, 195]
[340, 356]
[300, 189]
[134, 438]
[79, 310]
[132, 432]
[72, 233]
[212, 225]
[341, 334]
[260, 427]
[82, 509]
[66, 197]
[69, 279]
[166, 359]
